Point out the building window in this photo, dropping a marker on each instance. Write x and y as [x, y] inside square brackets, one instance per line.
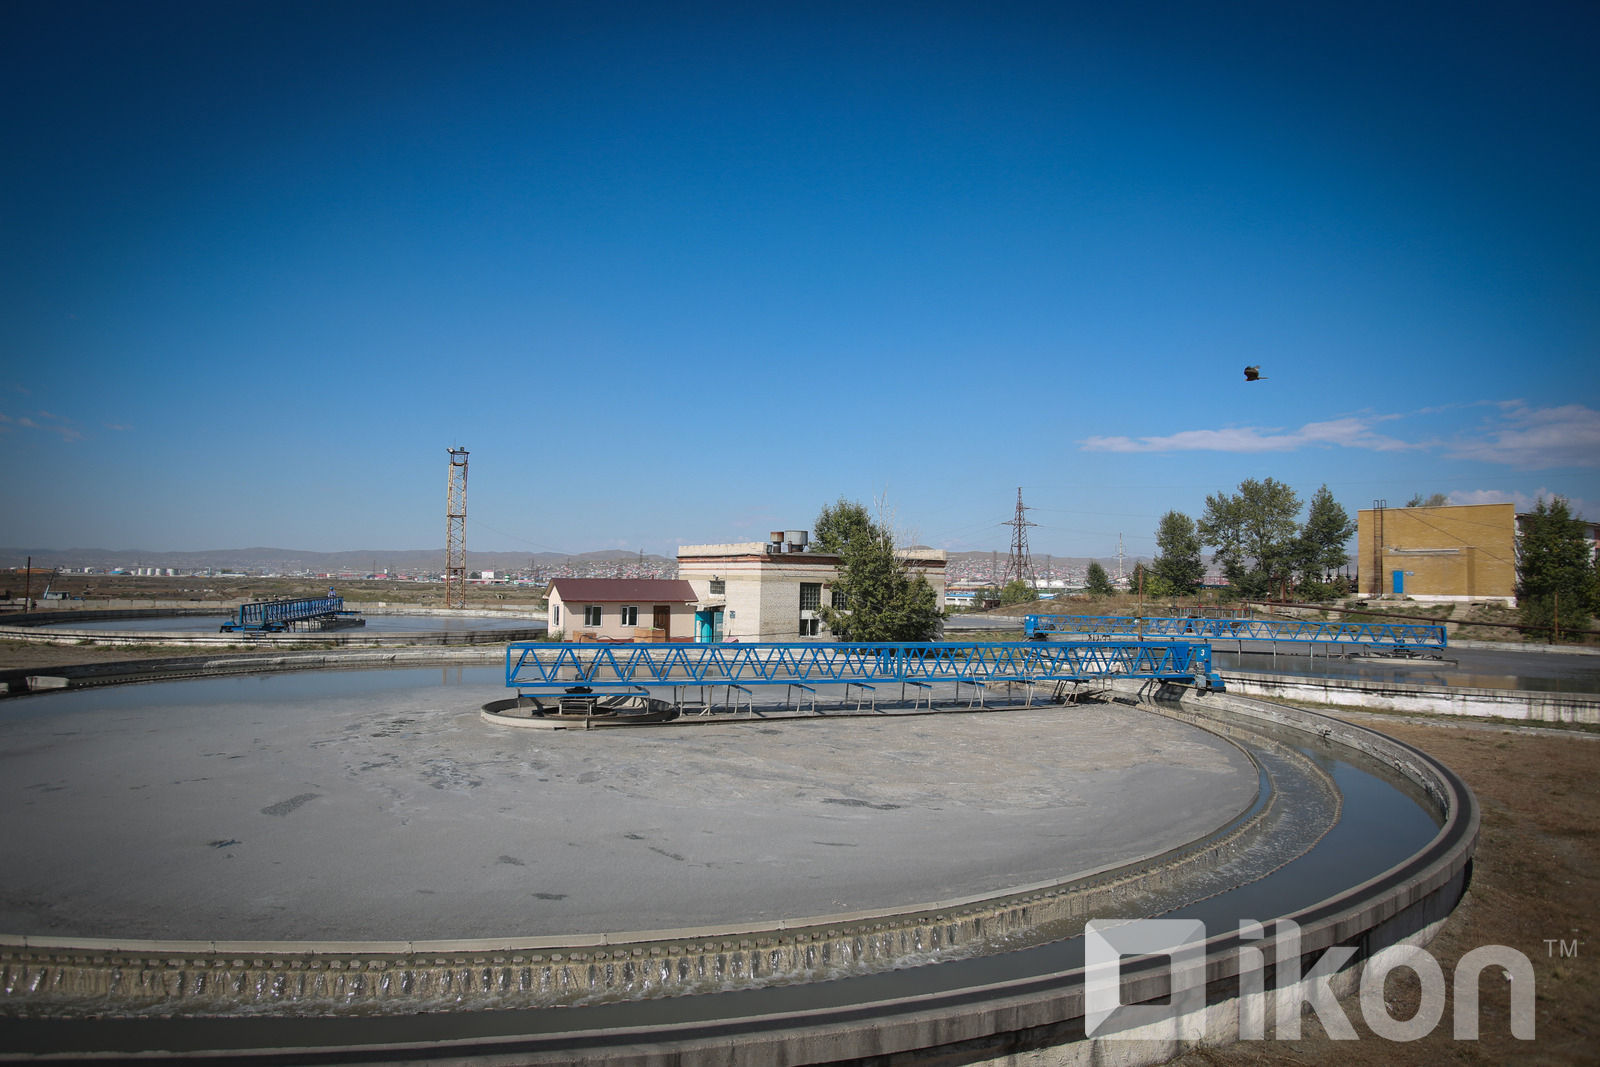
[810, 596]
[591, 614]
[630, 616]
[719, 587]
[839, 600]
[556, 621]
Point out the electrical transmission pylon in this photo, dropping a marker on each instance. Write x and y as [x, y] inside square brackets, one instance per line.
[455, 532]
[1019, 564]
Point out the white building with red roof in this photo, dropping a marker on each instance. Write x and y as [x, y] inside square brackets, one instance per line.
[622, 609]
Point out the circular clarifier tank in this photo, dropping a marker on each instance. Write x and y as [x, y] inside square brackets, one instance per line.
[372, 622]
[368, 805]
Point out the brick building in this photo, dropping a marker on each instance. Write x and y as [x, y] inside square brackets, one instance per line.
[1451, 553]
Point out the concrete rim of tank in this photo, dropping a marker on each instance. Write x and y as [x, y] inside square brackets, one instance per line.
[44, 626]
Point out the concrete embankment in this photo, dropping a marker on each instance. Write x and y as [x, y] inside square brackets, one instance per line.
[22, 680]
[1532, 705]
[47, 627]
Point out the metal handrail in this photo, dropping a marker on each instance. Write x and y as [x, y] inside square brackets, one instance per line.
[537, 665]
[1369, 634]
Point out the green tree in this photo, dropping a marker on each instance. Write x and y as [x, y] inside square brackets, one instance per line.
[1437, 500]
[1098, 581]
[1255, 535]
[838, 524]
[1325, 538]
[1138, 577]
[1156, 587]
[1556, 581]
[1178, 563]
[1017, 591]
[883, 601]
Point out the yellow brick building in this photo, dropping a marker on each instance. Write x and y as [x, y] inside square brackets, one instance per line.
[1445, 553]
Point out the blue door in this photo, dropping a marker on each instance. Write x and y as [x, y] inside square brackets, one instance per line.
[1399, 582]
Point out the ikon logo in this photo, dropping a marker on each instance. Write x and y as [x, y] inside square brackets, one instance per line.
[1183, 1015]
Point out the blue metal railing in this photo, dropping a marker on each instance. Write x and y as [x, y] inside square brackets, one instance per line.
[1370, 634]
[535, 665]
[278, 614]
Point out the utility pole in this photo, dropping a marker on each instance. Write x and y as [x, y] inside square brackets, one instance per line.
[1020, 564]
[455, 532]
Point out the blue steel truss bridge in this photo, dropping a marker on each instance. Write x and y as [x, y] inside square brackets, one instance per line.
[275, 616]
[535, 667]
[1394, 636]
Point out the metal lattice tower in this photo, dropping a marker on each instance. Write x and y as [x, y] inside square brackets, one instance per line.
[455, 532]
[1019, 564]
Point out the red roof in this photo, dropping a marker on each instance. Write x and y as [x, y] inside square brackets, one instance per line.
[623, 590]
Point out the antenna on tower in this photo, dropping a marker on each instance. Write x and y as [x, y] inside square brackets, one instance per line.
[1121, 571]
[455, 532]
[1020, 564]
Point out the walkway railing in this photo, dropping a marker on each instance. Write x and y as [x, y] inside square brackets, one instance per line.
[1369, 634]
[542, 666]
[278, 614]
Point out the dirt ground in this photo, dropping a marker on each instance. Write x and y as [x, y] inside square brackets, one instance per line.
[1536, 879]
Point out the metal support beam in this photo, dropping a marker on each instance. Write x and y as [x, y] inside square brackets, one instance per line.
[1429, 636]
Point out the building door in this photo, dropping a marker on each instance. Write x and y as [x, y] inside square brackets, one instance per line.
[663, 620]
[1399, 582]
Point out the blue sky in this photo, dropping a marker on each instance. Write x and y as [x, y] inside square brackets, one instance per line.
[686, 273]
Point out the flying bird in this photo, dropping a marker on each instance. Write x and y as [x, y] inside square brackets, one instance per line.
[1253, 374]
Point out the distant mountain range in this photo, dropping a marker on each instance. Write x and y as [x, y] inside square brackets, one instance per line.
[288, 560]
[423, 560]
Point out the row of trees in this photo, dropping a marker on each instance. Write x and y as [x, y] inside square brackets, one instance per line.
[1261, 545]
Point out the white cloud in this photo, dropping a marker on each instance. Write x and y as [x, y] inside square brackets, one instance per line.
[1515, 434]
[1523, 501]
[1349, 432]
[1535, 438]
[56, 424]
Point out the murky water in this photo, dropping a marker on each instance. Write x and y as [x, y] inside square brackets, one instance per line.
[382, 624]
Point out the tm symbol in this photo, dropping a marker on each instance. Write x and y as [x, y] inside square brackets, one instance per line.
[1567, 949]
